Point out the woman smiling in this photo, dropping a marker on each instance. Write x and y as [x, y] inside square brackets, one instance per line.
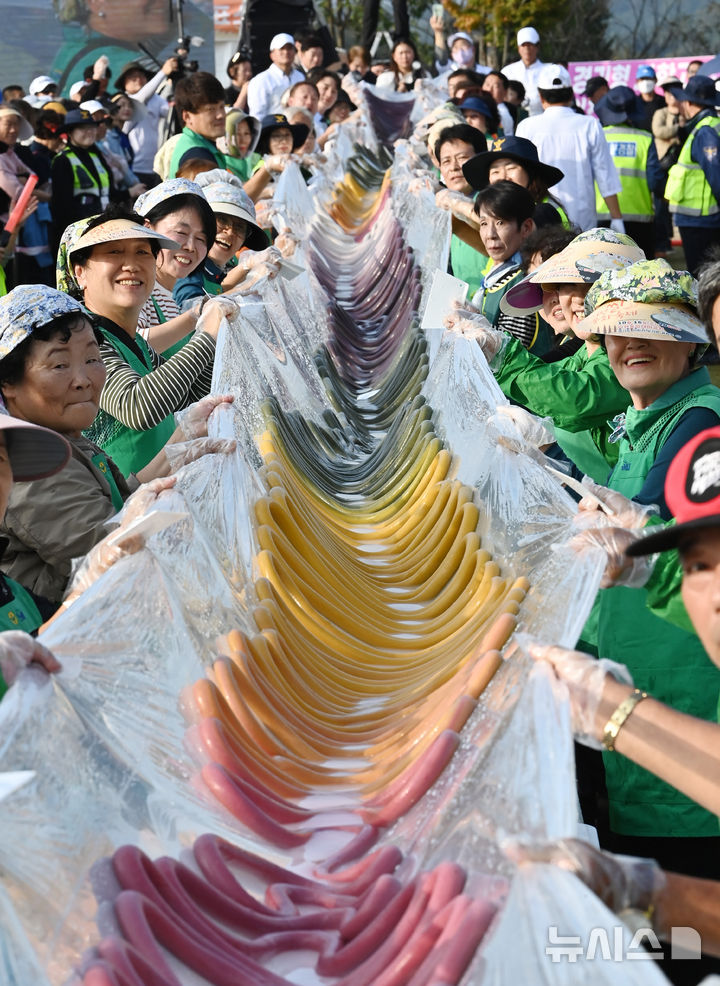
[113, 264]
[646, 313]
[176, 209]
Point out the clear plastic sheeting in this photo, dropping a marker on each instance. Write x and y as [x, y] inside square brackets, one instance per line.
[284, 747]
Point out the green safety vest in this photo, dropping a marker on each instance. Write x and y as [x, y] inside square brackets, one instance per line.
[84, 182]
[629, 150]
[19, 612]
[131, 450]
[664, 660]
[687, 190]
[564, 218]
[189, 139]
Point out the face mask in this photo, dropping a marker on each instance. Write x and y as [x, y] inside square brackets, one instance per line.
[464, 56]
[646, 86]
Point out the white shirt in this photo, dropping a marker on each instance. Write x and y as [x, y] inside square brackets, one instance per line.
[528, 75]
[144, 135]
[265, 90]
[506, 121]
[576, 144]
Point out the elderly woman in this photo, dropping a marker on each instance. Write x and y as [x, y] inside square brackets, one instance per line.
[580, 393]
[113, 264]
[13, 173]
[52, 374]
[178, 210]
[516, 159]
[646, 313]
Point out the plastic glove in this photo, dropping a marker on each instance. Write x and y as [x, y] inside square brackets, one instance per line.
[621, 882]
[267, 270]
[463, 310]
[181, 454]
[526, 429]
[585, 678]
[213, 311]
[614, 541]
[623, 512]
[422, 183]
[111, 549]
[286, 244]
[18, 650]
[618, 225]
[265, 212]
[490, 340]
[451, 201]
[192, 421]
[275, 163]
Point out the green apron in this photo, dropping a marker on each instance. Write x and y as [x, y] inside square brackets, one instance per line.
[664, 660]
[131, 450]
[99, 460]
[176, 346]
[19, 612]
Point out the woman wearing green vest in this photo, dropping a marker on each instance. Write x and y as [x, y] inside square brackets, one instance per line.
[242, 133]
[504, 212]
[646, 313]
[52, 374]
[176, 209]
[237, 229]
[516, 159]
[113, 264]
[580, 393]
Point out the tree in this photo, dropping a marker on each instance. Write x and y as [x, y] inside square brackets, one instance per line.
[496, 22]
[660, 27]
[581, 35]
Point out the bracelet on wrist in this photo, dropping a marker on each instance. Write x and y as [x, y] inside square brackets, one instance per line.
[619, 717]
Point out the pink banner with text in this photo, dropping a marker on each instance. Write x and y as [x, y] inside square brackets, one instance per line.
[623, 73]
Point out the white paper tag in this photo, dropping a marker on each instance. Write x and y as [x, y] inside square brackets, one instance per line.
[13, 780]
[444, 291]
[151, 523]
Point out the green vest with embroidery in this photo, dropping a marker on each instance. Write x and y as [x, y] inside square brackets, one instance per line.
[18, 610]
[687, 190]
[84, 182]
[188, 140]
[629, 150]
[664, 660]
[542, 338]
[131, 450]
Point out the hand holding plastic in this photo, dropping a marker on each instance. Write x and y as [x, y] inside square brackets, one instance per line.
[18, 650]
[585, 678]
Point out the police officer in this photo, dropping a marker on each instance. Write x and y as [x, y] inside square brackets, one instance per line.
[82, 182]
[635, 158]
[693, 185]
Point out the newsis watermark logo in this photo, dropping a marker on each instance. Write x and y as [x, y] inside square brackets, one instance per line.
[612, 945]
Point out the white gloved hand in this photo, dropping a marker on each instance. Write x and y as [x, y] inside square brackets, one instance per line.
[192, 421]
[621, 511]
[18, 650]
[585, 678]
[621, 882]
[452, 201]
[617, 225]
[275, 163]
[478, 328]
[286, 244]
[181, 454]
[526, 429]
[633, 573]
[112, 548]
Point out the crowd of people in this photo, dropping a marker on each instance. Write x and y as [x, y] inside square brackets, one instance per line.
[139, 236]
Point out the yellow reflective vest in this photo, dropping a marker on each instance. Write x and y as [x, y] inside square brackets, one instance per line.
[687, 190]
[629, 149]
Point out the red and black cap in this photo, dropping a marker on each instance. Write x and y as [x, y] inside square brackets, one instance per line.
[692, 493]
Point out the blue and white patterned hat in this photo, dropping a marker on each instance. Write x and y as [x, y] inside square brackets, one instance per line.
[226, 195]
[166, 190]
[29, 306]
